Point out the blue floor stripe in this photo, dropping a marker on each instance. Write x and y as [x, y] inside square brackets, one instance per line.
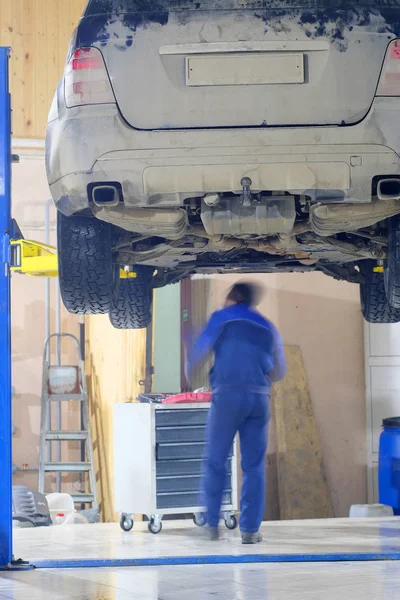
[216, 560]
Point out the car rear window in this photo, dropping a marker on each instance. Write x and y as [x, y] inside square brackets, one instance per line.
[96, 7]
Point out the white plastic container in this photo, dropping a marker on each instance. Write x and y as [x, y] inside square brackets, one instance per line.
[63, 380]
[363, 511]
[59, 520]
[60, 504]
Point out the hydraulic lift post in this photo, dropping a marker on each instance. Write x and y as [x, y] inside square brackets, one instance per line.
[5, 316]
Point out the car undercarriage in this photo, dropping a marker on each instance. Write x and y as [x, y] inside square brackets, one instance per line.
[265, 233]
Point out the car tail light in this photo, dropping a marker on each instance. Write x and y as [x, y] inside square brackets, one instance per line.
[86, 79]
[389, 83]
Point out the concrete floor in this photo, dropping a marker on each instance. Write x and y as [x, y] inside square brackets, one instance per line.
[337, 581]
[295, 581]
[107, 541]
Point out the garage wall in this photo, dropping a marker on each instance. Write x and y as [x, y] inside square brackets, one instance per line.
[30, 195]
[38, 31]
[167, 335]
[115, 364]
[382, 374]
[323, 317]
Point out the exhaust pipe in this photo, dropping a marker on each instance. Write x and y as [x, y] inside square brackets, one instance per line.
[389, 189]
[106, 195]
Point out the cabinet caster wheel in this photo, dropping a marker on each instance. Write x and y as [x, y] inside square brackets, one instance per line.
[154, 526]
[231, 522]
[200, 519]
[126, 523]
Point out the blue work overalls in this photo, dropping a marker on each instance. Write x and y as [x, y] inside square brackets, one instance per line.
[248, 356]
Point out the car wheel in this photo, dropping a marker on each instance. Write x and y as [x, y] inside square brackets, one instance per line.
[132, 309]
[374, 303]
[392, 269]
[89, 280]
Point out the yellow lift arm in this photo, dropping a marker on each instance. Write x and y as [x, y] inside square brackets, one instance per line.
[36, 259]
[33, 258]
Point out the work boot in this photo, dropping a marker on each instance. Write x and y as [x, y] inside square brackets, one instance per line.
[212, 533]
[251, 538]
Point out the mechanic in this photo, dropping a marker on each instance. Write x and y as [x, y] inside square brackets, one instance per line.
[249, 356]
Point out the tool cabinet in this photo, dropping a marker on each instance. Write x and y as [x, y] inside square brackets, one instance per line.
[158, 451]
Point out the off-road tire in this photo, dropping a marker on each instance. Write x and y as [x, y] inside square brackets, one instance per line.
[392, 269]
[374, 303]
[89, 280]
[133, 306]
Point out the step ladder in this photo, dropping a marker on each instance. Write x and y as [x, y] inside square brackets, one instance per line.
[66, 383]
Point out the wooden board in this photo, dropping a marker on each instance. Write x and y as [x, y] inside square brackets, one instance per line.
[302, 483]
[199, 313]
[115, 364]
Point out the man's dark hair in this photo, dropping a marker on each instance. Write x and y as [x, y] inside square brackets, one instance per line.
[245, 293]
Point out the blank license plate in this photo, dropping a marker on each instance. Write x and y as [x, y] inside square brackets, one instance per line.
[245, 69]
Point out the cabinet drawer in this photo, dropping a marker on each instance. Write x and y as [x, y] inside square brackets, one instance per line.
[184, 484]
[185, 500]
[166, 468]
[182, 451]
[178, 484]
[180, 434]
[171, 418]
[176, 451]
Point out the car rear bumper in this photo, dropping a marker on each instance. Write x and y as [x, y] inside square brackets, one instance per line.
[163, 168]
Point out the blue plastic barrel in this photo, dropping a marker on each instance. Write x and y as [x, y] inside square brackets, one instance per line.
[389, 464]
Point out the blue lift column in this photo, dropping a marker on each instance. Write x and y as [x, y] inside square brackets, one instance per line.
[5, 317]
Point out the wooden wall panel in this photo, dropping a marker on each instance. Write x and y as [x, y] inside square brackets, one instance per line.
[195, 312]
[38, 32]
[200, 315]
[302, 483]
[115, 363]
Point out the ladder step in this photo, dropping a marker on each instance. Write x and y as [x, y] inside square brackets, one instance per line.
[66, 397]
[67, 467]
[66, 435]
[66, 383]
[83, 498]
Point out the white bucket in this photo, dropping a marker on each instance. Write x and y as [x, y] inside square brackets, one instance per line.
[60, 504]
[63, 380]
[363, 511]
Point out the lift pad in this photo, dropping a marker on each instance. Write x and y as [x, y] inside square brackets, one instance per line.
[123, 274]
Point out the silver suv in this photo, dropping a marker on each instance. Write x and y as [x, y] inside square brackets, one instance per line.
[203, 136]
